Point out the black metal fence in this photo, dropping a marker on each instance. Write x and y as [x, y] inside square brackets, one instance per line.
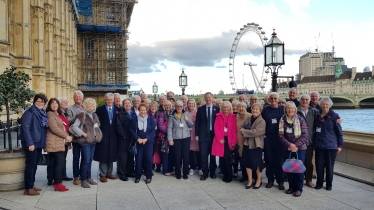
[15, 128]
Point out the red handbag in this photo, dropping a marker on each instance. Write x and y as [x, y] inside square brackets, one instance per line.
[156, 157]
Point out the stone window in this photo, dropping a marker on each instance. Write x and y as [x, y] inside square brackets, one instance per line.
[111, 77]
[89, 77]
[110, 17]
[89, 49]
[110, 50]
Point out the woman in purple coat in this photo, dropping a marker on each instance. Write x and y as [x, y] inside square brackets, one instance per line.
[293, 135]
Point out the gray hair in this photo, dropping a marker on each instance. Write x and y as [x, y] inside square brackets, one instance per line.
[184, 96]
[235, 103]
[326, 99]
[219, 100]
[178, 103]
[306, 95]
[79, 92]
[148, 100]
[226, 103]
[117, 94]
[290, 103]
[135, 97]
[164, 97]
[243, 95]
[314, 92]
[86, 101]
[167, 102]
[107, 95]
[62, 98]
[241, 104]
[273, 93]
[254, 95]
[293, 88]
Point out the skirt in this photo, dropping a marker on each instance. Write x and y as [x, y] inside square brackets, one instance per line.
[252, 158]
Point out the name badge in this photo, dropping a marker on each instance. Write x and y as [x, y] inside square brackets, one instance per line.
[274, 121]
[318, 130]
[96, 125]
[289, 130]
[225, 130]
[181, 125]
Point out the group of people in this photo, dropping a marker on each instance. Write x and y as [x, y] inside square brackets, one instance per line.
[181, 137]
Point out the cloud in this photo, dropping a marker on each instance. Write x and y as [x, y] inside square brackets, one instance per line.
[133, 83]
[163, 65]
[221, 67]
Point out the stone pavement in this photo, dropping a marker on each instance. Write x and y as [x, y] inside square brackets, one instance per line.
[170, 193]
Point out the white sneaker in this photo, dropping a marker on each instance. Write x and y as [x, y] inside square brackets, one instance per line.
[200, 173]
[191, 172]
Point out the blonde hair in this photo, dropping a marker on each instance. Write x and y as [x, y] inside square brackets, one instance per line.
[226, 103]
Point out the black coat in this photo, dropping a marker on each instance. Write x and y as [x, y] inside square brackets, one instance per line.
[123, 129]
[106, 150]
[201, 125]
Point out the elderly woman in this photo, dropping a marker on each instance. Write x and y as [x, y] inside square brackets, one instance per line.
[240, 117]
[293, 134]
[162, 125]
[152, 112]
[34, 131]
[87, 126]
[225, 139]
[172, 101]
[147, 103]
[195, 158]
[143, 130]
[328, 141]
[235, 106]
[253, 131]
[57, 136]
[179, 126]
[282, 102]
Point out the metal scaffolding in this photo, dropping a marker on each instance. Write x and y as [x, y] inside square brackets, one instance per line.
[102, 44]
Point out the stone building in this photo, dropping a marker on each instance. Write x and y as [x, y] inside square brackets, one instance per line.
[39, 37]
[318, 64]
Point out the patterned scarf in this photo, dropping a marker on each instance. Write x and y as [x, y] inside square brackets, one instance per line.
[293, 121]
[41, 114]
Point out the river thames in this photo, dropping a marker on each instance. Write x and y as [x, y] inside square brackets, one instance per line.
[357, 119]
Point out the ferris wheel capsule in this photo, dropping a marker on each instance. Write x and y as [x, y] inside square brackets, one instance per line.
[267, 71]
[266, 79]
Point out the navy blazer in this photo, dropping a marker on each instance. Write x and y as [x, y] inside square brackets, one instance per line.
[201, 125]
[149, 134]
[32, 131]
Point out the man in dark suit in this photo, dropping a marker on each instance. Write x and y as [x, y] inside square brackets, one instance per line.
[205, 118]
[106, 151]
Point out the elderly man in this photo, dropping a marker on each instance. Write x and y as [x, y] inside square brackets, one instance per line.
[106, 151]
[184, 99]
[123, 129]
[71, 112]
[252, 100]
[143, 97]
[307, 112]
[243, 98]
[64, 103]
[134, 111]
[292, 94]
[266, 101]
[161, 101]
[204, 130]
[169, 95]
[272, 149]
[117, 100]
[314, 99]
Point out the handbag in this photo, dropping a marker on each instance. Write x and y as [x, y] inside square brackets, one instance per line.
[132, 149]
[293, 165]
[71, 131]
[46, 160]
[156, 157]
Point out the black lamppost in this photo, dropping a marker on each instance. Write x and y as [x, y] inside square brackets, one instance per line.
[154, 89]
[274, 58]
[183, 81]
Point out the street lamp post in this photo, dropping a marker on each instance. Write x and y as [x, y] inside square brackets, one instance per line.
[274, 58]
[154, 89]
[183, 81]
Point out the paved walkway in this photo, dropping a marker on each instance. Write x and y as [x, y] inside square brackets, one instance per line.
[170, 193]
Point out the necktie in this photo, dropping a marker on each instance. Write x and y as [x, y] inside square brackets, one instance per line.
[110, 115]
[208, 130]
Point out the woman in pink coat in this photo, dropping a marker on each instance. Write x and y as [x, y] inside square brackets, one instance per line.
[225, 139]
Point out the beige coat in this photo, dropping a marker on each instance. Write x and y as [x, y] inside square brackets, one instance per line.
[55, 134]
[254, 137]
[239, 123]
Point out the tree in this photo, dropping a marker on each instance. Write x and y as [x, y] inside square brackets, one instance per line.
[14, 94]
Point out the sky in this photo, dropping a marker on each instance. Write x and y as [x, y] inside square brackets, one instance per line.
[167, 36]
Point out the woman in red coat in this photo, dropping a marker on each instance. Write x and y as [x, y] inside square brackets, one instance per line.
[225, 139]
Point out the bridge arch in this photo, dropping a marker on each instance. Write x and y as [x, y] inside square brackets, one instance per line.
[366, 102]
[342, 102]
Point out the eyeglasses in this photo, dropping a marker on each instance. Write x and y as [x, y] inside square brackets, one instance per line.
[304, 99]
[40, 102]
[273, 98]
[179, 106]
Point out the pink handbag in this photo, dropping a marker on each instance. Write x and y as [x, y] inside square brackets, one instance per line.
[293, 165]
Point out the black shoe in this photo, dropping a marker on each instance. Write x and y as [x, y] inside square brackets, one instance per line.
[280, 186]
[254, 186]
[137, 180]
[202, 178]
[67, 178]
[148, 181]
[243, 180]
[248, 187]
[179, 177]
[329, 188]
[213, 176]
[50, 183]
[318, 187]
[124, 178]
[130, 175]
[185, 177]
[269, 185]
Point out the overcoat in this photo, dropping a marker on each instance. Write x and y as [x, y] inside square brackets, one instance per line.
[106, 151]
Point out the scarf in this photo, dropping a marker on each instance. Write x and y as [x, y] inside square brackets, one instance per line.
[142, 123]
[293, 121]
[41, 114]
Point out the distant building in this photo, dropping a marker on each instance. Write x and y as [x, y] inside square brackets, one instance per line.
[318, 64]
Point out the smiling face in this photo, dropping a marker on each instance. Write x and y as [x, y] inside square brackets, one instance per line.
[54, 106]
[273, 100]
[290, 110]
[241, 109]
[127, 105]
[208, 99]
[292, 94]
[226, 110]
[256, 111]
[109, 101]
[78, 99]
[39, 103]
[142, 111]
[325, 106]
[90, 106]
[191, 105]
[117, 100]
[304, 102]
[64, 104]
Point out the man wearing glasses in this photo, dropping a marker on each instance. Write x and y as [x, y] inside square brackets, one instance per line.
[252, 100]
[272, 150]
